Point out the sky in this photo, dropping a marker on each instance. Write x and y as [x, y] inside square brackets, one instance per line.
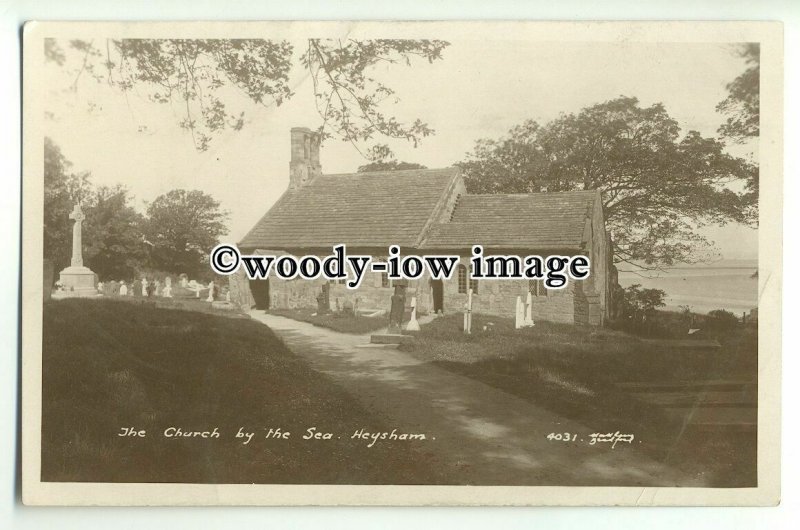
[479, 90]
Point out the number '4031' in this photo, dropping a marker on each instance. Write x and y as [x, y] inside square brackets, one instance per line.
[562, 436]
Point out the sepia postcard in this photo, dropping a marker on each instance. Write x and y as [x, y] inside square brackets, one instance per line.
[402, 263]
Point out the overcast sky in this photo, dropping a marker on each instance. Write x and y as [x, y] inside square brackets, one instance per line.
[480, 89]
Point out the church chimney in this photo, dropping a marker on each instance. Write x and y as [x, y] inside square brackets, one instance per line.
[304, 165]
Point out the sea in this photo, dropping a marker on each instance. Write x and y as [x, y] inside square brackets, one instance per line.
[727, 284]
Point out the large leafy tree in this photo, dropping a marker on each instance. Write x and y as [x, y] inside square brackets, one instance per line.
[742, 106]
[658, 185]
[114, 245]
[181, 227]
[112, 237]
[201, 74]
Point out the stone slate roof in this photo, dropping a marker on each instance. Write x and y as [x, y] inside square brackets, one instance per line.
[551, 221]
[357, 209]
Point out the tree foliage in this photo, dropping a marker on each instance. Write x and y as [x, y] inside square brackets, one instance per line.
[348, 96]
[639, 304]
[113, 242]
[742, 106]
[658, 185]
[175, 235]
[389, 165]
[198, 74]
[181, 227]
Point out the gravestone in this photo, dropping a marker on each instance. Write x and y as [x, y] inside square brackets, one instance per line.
[210, 292]
[123, 289]
[519, 314]
[324, 299]
[167, 291]
[413, 324]
[397, 308]
[468, 312]
[76, 280]
[528, 322]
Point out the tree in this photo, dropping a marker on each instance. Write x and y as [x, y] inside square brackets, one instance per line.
[181, 228]
[113, 242]
[62, 189]
[658, 185]
[742, 106]
[200, 74]
[390, 165]
[638, 303]
[112, 237]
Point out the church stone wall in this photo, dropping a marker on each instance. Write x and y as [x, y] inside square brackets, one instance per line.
[575, 303]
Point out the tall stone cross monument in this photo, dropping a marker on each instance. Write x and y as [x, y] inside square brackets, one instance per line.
[77, 250]
[77, 280]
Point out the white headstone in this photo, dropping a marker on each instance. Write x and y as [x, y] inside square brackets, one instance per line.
[528, 311]
[210, 292]
[123, 289]
[519, 314]
[413, 324]
[144, 286]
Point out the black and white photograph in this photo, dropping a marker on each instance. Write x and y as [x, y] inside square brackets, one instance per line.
[540, 256]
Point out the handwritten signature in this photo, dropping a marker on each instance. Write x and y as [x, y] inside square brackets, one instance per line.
[596, 438]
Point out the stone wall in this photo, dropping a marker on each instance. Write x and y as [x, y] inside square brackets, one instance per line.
[371, 295]
[239, 287]
[493, 297]
[600, 284]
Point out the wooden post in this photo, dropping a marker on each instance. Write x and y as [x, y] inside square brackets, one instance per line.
[469, 311]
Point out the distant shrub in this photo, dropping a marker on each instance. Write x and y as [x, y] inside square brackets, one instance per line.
[638, 303]
[639, 312]
[721, 320]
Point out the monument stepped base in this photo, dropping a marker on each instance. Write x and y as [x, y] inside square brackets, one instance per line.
[58, 295]
[76, 282]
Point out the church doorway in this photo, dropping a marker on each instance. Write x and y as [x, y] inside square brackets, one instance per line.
[260, 291]
[438, 295]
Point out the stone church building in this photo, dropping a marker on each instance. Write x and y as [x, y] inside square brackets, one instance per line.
[427, 211]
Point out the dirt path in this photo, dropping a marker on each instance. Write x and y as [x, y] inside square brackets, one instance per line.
[482, 434]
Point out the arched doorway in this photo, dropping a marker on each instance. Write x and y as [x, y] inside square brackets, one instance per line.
[260, 291]
[437, 288]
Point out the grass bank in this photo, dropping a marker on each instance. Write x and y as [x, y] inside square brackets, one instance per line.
[575, 371]
[109, 365]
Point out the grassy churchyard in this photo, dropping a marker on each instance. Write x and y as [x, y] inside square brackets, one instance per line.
[116, 366]
[656, 388]
[111, 367]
